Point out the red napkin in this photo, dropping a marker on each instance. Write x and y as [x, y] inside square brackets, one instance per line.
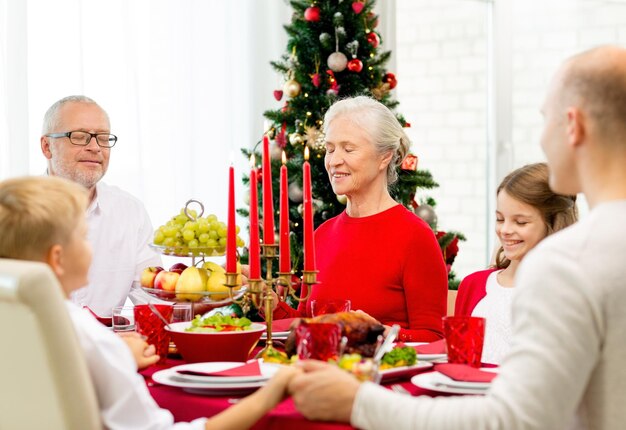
[248, 369]
[107, 321]
[282, 325]
[437, 347]
[465, 373]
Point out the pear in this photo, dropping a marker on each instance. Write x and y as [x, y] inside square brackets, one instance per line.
[192, 280]
[213, 267]
[215, 284]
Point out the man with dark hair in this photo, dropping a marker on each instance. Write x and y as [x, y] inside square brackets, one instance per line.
[566, 367]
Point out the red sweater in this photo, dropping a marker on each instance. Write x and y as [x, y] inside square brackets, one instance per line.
[389, 265]
[471, 291]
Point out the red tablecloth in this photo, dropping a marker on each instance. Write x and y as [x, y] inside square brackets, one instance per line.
[186, 406]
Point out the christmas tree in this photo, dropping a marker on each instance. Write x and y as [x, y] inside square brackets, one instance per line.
[335, 52]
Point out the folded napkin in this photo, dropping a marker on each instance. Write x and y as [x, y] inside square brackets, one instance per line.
[437, 347]
[465, 373]
[107, 321]
[282, 325]
[248, 369]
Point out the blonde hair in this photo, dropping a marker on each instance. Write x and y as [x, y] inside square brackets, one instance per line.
[529, 184]
[37, 213]
[385, 132]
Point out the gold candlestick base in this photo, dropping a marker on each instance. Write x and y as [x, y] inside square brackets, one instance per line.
[269, 251]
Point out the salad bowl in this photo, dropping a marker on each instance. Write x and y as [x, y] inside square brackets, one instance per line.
[222, 345]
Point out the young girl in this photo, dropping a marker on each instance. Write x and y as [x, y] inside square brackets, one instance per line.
[527, 211]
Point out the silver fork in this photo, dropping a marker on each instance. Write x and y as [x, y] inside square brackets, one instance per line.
[397, 388]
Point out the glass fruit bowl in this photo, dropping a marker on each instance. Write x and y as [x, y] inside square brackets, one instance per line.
[186, 251]
[218, 298]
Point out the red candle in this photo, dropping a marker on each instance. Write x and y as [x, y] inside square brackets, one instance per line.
[231, 235]
[254, 246]
[268, 202]
[285, 252]
[309, 244]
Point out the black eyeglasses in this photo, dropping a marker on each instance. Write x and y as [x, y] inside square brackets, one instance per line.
[82, 138]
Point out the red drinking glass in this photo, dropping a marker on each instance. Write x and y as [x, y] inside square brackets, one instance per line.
[318, 341]
[464, 339]
[322, 307]
[148, 323]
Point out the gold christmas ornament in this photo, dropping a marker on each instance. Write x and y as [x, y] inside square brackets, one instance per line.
[311, 135]
[380, 91]
[296, 139]
[341, 198]
[292, 88]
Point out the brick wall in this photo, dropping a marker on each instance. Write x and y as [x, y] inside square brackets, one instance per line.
[442, 67]
[442, 72]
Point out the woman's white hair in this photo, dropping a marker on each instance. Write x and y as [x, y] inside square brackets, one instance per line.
[51, 117]
[380, 124]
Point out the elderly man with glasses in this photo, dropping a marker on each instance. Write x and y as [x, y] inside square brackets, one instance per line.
[77, 142]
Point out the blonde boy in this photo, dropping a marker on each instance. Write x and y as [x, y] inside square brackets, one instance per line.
[43, 219]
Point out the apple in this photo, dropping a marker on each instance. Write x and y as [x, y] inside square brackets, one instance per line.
[166, 280]
[178, 267]
[191, 282]
[148, 275]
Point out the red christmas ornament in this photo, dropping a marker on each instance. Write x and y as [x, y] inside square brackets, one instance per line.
[316, 79]
[390, 79]
[281, 137]
[334, 86]
[409, 162]
[355, 65]
[407, 125]
[312, 14]
[451, 251]
[373, 39]
[278, 95]
[357, 7]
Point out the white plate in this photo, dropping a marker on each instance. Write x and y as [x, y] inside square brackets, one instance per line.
[436, 381]
[404, 371]
[426, 357]
[217, 366]
[278, 335]
[170, 378]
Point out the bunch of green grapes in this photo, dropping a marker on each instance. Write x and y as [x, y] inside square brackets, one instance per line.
[194, 232]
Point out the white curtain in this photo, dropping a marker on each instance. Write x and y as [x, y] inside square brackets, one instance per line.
[184, 83]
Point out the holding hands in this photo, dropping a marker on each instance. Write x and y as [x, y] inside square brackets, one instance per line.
[143, 353]
[323, 391]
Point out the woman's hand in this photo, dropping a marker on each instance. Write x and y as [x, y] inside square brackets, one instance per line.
[144, 354]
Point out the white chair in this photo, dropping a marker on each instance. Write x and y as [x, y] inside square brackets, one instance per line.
[44, 380]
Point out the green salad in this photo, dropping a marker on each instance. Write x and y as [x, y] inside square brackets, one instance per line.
[399, 356]
[219, 323]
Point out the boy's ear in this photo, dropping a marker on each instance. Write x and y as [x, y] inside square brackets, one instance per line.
[54, 259]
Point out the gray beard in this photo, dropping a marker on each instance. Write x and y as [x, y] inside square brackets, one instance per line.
[87, 180]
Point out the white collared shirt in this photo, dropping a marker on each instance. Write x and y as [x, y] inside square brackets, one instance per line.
[124, 400]
[119, 233]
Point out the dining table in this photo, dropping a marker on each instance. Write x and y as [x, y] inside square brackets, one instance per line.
[187, 406]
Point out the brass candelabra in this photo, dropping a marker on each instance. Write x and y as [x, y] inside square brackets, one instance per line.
[262, 292]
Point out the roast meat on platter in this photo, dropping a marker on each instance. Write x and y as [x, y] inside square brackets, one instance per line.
[362, 332]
